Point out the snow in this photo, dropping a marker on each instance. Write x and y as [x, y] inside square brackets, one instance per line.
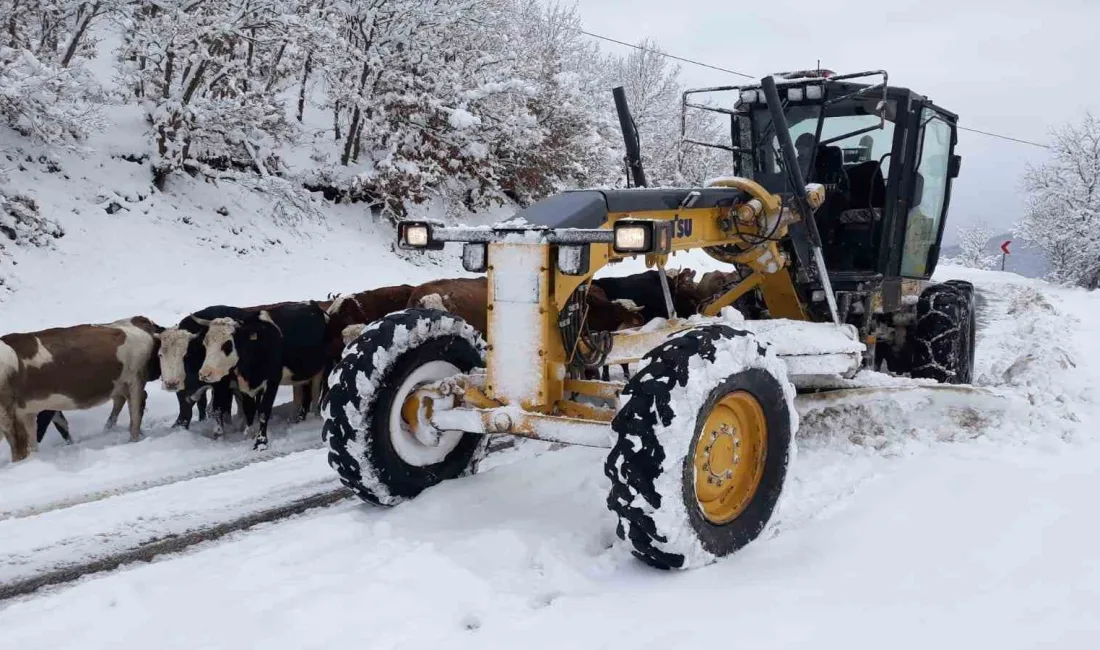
[912, 519]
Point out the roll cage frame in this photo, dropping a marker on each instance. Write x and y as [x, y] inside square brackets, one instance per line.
[911, 112]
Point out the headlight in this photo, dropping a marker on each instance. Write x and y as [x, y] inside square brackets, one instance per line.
[633, 237]
[794, 94]
[815, 92]
[748, 96]
[416, 236]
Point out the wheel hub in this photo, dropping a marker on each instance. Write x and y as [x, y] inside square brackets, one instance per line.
[729, 457]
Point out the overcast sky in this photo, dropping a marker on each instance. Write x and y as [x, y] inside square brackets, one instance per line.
[1010, 66]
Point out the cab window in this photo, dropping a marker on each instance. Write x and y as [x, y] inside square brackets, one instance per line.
[929, 192]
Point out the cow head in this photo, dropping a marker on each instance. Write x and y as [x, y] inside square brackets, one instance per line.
[351, 332]
[221, 350]
[173, 348]
[685, 292]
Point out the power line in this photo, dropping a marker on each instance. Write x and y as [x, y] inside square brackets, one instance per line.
[749, 76]
[666, 54]
[1004, 137]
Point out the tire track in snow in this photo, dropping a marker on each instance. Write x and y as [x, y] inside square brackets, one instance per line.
[171, 544]
[148, 484]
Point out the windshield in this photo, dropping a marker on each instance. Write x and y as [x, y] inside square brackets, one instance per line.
[844, 118]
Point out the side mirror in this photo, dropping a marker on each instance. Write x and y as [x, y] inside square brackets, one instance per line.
[953, 166]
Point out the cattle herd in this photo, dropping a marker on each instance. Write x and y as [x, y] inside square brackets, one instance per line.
[243, 354]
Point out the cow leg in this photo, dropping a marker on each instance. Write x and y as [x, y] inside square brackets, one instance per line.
[626, 371]
[202, 406]
[246, 417]
[220, 405]
[62, 424]
[248, 407]
[137, 410]
[57, 418]
[185, 404]
[316, 386]
[116, 409]
[43, 423]
[266, 402]
[605, 373]
[26, 442]
[301, 402]
[16, 435]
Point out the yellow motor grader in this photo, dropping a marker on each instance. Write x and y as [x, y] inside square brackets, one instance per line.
[832, 220]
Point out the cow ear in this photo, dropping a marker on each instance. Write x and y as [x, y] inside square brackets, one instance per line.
[628, 304]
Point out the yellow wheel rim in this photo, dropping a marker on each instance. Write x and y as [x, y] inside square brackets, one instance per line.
[729, 457]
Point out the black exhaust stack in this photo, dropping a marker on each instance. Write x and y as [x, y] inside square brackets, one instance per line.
[635, 173]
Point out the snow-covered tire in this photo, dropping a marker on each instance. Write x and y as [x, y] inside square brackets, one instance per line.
[373, 457]
[659, 429]
[943, 339]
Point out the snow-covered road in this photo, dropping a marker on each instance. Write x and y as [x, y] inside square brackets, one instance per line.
[910, 521]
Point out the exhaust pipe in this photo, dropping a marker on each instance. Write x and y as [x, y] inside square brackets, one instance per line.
[635, 173]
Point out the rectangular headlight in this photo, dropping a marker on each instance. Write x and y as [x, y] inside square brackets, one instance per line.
[794, 94]
[633, 237]
[748, 96]
[815, 92]
[416, 235]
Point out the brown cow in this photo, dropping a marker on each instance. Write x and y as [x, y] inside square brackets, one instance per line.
[468, 298]
[362, 308]
[77, 367]
[714, 283]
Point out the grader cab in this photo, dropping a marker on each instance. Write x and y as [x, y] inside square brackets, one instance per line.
[700, 434]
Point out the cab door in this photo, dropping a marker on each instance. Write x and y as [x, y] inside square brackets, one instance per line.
[929, 190]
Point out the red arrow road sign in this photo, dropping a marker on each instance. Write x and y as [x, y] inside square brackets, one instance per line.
[1004, 247]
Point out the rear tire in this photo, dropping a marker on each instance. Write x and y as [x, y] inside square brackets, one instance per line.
[943, 338]
[373, 454]
[704, 437]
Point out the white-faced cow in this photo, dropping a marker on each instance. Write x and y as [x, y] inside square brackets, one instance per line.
[283, 345]
[181, 357]
[77, 367]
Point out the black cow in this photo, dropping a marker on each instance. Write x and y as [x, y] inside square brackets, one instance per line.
[282, 345]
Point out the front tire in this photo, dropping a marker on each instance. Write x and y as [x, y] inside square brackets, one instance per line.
[704, 436]
[370, 447]
[943, 340]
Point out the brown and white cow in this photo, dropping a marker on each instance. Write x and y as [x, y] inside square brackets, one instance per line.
[362, 308]
[77, 367]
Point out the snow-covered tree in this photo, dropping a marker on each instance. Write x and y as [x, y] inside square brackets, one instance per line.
[973, 241]
[1063, 204]
[45, 91]
[207, 73]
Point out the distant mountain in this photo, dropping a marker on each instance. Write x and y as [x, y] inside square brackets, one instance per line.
[1024, 260]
